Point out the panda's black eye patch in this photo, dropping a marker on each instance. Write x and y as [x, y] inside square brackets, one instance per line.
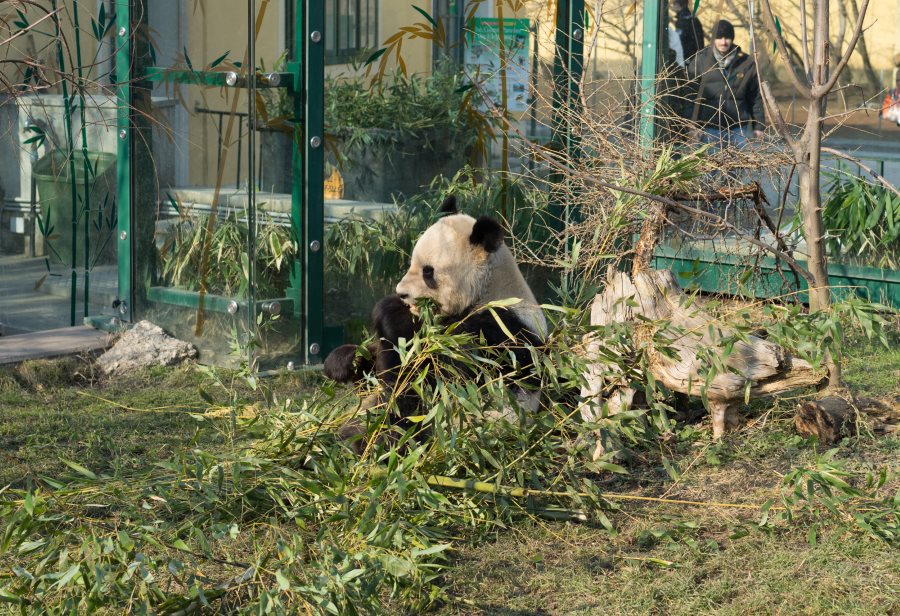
[428, 277]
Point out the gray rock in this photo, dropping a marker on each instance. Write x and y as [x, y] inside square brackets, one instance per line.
[144, 345]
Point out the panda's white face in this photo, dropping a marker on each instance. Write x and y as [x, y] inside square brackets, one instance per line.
[448, 267]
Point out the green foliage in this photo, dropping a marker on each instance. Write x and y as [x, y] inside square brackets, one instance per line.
[432, 110]
[227, 272]
[288, 519]
[827, 492]
[863, 223]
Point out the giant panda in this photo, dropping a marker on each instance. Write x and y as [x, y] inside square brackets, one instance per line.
[460, 264]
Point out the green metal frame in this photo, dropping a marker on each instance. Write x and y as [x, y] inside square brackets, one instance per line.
[654, 44]
[305, 77]
[310, 196]
[123, 172]
[568, 65]
[717, 273]
[158, 74]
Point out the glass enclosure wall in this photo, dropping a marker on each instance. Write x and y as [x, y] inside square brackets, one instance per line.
[215, 245]
[218, 247]
[58, 198]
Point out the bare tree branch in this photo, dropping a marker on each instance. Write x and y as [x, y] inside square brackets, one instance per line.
[774, 113]
[804, 37]
[801, 85]
[822, 91]
[875, 176]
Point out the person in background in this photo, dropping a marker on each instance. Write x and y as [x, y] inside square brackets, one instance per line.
[688, 28]
[890, 107]
[724, 98]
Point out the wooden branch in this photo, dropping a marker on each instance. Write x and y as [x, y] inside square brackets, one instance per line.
[802, 86]
[654, 299]
[747, 191]
[876, 176]
[774, 113]
[651, 231]
[822, 91]
[769, 103]
[804, 40]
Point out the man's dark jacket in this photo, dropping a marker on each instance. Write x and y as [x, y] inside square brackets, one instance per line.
[724, 99]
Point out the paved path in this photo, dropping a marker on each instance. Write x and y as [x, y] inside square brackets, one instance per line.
[52, 343]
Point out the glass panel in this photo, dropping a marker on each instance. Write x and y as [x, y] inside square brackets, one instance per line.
[58, 179]
[214, 217]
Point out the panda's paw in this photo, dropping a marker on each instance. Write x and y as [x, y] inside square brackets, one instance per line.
[393, 319]
[343, 366]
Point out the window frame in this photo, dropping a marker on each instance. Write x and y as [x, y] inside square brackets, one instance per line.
[363, 41]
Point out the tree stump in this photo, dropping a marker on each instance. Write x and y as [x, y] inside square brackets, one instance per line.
[833, 418]
[754, 365]
[829, 419]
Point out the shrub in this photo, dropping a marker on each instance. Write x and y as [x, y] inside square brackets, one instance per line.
[863, 223]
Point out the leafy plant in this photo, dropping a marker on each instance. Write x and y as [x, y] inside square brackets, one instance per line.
[828, 490]
[432, 110]
[863, 222]
[182, 252]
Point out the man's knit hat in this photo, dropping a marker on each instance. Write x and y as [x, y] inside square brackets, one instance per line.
[723, 29]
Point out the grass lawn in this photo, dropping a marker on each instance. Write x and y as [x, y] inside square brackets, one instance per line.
[662, 558]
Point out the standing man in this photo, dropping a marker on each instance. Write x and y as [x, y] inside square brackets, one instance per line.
[724, 91]
[689, 29]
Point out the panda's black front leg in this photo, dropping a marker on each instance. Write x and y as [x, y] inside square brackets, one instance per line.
[392, 320]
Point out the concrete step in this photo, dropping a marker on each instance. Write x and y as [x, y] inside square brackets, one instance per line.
[52, 343]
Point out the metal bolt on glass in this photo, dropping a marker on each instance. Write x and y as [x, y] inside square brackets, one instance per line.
[314, 348]
[274, 79]
[315, 141]
[123, 235]
[315, 245]
[578, 34]
[123, 133]
[122, 31]
[231, 78]
[290, 366]
[272, 307]
[315, 36]
[232, 307]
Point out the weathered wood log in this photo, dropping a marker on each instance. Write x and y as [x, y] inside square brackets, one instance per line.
[830, 419]
[754, 366]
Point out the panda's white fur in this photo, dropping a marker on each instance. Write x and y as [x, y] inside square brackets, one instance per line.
[466, 275]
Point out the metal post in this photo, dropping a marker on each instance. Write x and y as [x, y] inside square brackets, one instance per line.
[655, 43]
[309, 182]
[123, 164]
[567, 70]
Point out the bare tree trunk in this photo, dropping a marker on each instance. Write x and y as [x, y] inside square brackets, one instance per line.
[813, 228]
[811, 211]
[814, 86]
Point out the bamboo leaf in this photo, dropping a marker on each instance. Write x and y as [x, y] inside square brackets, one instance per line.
[79, 469]
[425, 15]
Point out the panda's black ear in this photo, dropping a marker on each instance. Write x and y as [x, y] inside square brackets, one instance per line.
[487, 233]
[449, 206]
